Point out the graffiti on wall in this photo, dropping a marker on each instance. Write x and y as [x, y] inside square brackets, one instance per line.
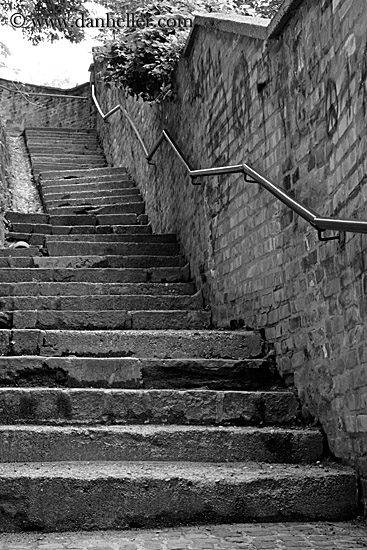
[331, 107]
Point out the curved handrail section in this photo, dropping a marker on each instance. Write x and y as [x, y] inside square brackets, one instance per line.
[320, 223]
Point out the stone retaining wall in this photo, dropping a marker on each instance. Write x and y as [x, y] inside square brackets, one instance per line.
[20, 108]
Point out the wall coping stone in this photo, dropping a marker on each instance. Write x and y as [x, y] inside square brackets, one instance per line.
[254, 27]
[44, 88]
[283, 15]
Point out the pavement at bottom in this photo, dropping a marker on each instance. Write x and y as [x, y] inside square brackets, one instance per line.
[260, 536]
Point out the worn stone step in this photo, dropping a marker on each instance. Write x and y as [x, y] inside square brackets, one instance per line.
[49, 130]
[94, 219]
[19, 252]
[87, 180]
[84, 289]
[47, 229]
[92, 187]
[139, 373]
[66, 164]
[120, 207]
[96, 275]
[78, 248]
[116, 237]
[89, 302]
[75, 406]
[92, 201]
[179, 493]
[103, 193]
[140, 318]
[36, 239]
[69, 175]
[25, 258]
[163, 443]
[62, 158]
[161, 344]
[72, 220]
[64, 148]
[42, 145]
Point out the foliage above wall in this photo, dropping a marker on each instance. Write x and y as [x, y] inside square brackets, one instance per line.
[143, 57]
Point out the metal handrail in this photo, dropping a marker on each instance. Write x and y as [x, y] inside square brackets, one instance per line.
[320, 223]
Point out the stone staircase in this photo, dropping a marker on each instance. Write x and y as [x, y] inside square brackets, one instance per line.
[120, 405]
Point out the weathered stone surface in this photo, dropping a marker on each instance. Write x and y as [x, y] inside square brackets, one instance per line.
[102, 302]
[86, 262]
[130, 372]
[178, 493]
[155, 343]
[95, 275]
[154, 406]
[164, 443]
[102, 319]
[34, 289]
[69, 175]
[118, 207]
[66, 248]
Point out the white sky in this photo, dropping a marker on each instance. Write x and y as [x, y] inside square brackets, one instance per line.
[60, 64]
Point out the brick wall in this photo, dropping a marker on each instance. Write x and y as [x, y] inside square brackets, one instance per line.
[295, 107]
[20, 108]
[4, 173]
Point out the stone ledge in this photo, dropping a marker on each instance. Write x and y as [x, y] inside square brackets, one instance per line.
[284, 14]
[253, 27]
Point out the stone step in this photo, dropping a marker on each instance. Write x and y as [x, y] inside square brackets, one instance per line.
[93, 187]
[140, 318]
[163, 443]
[96, 275]
[43, 143]
[89, 302]
[116, 238]
[66, 148]
[67, 496]
[105, 192]
[156, 344]
[25, 258]
[40, 168]
[71, 157]
[69, 175]
[67, 164]
[120, 207]
[77, 248]
[77, 230]
[36, 239]
[49, 130]
[33, 289]
[139, 373]
[88, 179]
[104, 199]
[90, 406]
[72, 220]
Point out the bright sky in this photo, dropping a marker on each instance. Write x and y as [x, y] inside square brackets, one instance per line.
[60, 64]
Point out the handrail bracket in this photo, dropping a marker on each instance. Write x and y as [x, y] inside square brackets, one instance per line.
[324, 239]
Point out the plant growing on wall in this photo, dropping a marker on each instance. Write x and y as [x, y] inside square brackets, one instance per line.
[141, 58]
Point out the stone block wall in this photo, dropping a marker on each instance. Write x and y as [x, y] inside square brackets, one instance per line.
[20, 108]
[4, 177]
[292, 103]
